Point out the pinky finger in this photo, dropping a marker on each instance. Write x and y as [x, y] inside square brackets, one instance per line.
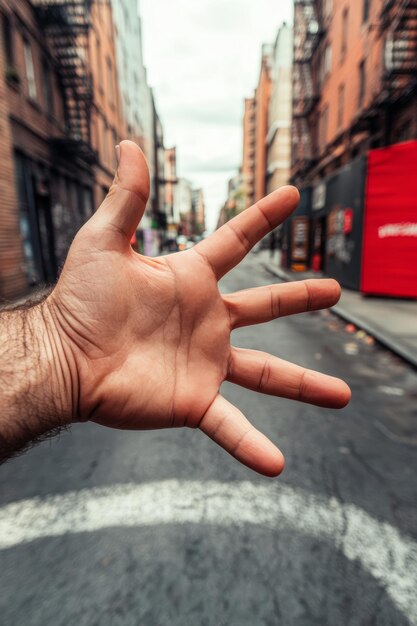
[229, 428]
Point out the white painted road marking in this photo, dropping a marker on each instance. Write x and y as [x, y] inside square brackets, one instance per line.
[391, 391]
[391, 558]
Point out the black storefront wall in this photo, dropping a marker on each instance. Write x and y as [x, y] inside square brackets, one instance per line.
[342, 219]
[35, 222]
[296, 234]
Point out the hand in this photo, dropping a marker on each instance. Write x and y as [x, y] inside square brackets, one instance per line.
[147, 341]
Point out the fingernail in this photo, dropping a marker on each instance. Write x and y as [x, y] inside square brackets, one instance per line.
[118, 153]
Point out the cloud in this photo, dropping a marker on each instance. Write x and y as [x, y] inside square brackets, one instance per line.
[203, 59]
[212, 166]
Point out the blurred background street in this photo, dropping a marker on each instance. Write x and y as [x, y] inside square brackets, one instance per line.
[228, 101]
[245, 571]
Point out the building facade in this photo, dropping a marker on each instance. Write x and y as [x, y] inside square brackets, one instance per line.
[171, 208]
[249, 143]
[12, 273]
[199, 209]
[138, 107]
[236, 199]
[262, 100]
[354, 93]
[49, 109]
[280, 111]
[255, 130]
[73, 84]
[128, 43]
[184, 207]
[354, 81]
[107, 124]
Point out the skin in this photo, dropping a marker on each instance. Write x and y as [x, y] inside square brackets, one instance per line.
[131, 342]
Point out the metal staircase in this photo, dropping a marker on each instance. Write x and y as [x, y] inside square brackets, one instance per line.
[308, 32]
[399, 23]
[66, 25]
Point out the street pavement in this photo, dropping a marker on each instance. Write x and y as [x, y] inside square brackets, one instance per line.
[102, 527]
[392, 321]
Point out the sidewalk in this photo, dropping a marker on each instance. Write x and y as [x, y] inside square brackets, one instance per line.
[390, 321]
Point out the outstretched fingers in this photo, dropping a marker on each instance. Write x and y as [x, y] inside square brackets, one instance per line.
[232, 242]
[229, 428]
[263, 304]
[268, 374]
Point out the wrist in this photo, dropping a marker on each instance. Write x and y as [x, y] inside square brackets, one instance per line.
[58, 374]
[38, 392]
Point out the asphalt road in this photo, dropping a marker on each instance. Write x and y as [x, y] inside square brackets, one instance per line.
[163, 528]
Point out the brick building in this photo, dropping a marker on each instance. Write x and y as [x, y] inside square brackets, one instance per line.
[262, 100]
[61, 117]
[354, 91]
[159, 171]
[48, 119]
[107, 124]
[255, 130]
[280, 111]
[199, 209]
[354, 81]
[249, 141]
[171, 180]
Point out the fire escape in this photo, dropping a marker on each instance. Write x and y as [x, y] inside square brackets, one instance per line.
[399, 23]
[307, 34]
[66, 25]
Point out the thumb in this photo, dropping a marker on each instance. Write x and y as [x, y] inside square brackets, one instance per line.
[125, 204]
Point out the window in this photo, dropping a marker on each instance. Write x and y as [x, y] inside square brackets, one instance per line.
[8, 43]
[345, 30]
[327, 60]
[46, 85]
[341, 106]
[114, 142]
[104, 141]
[30, 70]
[99, 64]
[110, 80]
[366, 9]
[111, 148]
[87, 202]
[362, 84]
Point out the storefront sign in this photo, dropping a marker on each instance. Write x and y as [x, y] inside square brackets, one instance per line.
[338, 245]
[407, 229]
[348, 221]
[299, 239]
[319, 197]
[390, 246]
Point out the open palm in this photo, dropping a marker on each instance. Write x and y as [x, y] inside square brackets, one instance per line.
[148, 340]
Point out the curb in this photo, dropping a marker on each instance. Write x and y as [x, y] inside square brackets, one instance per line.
[338, 310]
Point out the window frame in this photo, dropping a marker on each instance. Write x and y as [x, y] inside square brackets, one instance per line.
[327, 61]
[30, 73]
[47, 89]
[345, 37]
[341, 105]
[7, 33]
[366, 10]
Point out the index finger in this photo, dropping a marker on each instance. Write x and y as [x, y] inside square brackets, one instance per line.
[231, 243]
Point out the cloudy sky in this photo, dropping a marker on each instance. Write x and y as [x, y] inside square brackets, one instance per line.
[203, 59]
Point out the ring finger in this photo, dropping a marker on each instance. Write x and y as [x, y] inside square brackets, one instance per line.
[268, 374]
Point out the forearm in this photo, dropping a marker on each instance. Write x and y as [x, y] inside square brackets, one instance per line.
[36, 393]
